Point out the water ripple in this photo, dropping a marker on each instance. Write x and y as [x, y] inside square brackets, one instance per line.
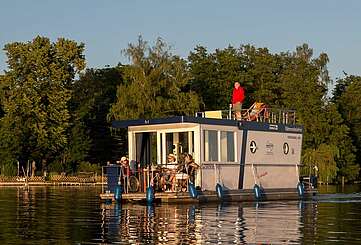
[74, 215]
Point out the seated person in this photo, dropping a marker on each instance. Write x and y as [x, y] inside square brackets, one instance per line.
[168, 176]
[191, 167]
[256, 110]
[186, 171]
[171, 161]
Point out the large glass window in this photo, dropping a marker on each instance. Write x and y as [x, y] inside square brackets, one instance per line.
[183, 142]
[210, 145]
[169, 143]
[146, 148]
[179, 142]
[227, 146]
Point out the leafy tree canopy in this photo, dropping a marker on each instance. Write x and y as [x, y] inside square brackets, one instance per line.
[155, 84]
[36, 90]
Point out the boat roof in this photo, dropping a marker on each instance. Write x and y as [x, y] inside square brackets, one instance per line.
[243, 125]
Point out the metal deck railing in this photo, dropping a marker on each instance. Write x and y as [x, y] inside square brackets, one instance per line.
[258, 112]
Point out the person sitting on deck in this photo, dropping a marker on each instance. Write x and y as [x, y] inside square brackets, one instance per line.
[168, 176]
[191, 167]
[171, 161]
[187, 171]
[258, 111]
[237, 100]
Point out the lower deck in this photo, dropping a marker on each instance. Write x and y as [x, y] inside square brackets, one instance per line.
[211, 196]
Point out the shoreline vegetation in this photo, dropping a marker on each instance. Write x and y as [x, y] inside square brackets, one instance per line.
[55, 114]
[88, 179]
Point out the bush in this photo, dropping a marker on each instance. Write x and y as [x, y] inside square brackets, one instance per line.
[55, 167]
[9, 169]
[88, 167]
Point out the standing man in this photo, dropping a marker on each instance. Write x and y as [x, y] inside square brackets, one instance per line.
[237, 100]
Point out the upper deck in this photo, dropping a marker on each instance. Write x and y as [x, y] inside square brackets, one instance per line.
[276, 120]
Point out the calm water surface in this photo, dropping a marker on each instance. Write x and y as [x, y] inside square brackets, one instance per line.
[74, 215]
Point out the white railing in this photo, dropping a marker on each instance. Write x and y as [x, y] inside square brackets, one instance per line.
[261, 114]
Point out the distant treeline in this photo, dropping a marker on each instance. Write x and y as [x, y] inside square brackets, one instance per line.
[58, 114]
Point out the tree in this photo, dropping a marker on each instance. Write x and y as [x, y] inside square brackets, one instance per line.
[213, 75]
[36, 90]
[324, 158]
[292, 80]
[93, 94]
[347, 97]
[155, 84]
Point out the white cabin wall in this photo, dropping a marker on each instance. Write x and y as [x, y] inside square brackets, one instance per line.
[226, 173]
[276, 177]
[265, 154]
[274, 168]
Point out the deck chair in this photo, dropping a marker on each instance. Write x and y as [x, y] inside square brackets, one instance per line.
[258, 111]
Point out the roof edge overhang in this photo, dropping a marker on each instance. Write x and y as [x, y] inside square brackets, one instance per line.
[242, 125]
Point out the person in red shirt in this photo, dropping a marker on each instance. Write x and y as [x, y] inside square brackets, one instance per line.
[237, 100]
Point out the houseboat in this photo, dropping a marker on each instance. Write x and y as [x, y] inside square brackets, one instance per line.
[255, 158]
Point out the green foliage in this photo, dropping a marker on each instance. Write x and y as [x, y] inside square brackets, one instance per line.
[324, 158]
[8, 169]
[292, 80]
[56, 167]
[213, 75]
[48, 116]
[36, 91]
[93, 95]
[88, 167]
[347, 97]
[155, 84]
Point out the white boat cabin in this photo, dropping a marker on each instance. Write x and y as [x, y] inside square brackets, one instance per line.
[236, 154]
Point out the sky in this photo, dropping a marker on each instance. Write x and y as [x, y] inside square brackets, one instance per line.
[107, 27]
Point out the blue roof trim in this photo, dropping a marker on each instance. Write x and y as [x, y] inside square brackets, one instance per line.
[257, 126]
[276, 127]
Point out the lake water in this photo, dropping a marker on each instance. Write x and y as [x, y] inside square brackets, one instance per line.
[74, 215]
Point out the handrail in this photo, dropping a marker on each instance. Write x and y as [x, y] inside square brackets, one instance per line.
[263, 114]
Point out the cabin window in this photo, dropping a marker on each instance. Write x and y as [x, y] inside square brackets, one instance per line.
[169, 143]
[146, 148]
[179, 142]
[227, 146]
[183, 142]
[211, 145]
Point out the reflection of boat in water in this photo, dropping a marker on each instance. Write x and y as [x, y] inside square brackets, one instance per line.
[238, 160]
[241, 223]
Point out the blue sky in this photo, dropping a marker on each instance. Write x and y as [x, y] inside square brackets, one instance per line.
[106, 27]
